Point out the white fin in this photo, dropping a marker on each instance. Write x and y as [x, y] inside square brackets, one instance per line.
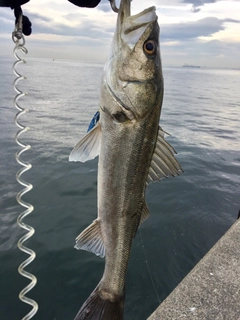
[163, 163]
[89, 147]
[91, 240]
[145, 213]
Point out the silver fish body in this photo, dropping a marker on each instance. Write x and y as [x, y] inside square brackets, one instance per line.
[132, 153]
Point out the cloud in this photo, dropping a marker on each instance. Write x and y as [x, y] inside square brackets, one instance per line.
[213, 53]
[199, 3]
[196, 4]
[104, 6]
[194, 9]
[77, 28]
[61, 29]
[72, 25]
[7, 21]
[194, 29]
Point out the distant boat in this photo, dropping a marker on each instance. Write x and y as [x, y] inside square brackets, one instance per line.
[190, 66]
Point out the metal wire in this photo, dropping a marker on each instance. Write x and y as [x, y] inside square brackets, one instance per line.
[19, 47]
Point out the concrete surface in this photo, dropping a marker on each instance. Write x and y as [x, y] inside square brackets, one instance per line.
[211, 290]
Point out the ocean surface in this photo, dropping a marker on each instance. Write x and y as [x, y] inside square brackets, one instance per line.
[201, 111]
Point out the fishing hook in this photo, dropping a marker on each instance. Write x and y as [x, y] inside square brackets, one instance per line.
[114, 6]
[19, 41]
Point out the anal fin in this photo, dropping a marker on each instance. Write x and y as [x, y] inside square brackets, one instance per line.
[91, 239]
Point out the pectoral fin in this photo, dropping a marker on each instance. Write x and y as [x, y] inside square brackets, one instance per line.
[91, 240]
[88, 148]
[163, 163]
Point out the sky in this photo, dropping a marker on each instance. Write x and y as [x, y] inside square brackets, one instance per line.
[197, 32]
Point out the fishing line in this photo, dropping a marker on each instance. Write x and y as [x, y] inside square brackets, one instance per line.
[144, 252]
[19, 41]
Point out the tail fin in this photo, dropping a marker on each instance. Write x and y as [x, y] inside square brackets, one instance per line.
[97, 308]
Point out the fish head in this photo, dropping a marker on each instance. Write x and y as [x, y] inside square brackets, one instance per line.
[133, 72]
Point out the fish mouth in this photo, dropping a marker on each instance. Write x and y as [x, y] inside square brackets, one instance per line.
[130, 28]
[127, 23]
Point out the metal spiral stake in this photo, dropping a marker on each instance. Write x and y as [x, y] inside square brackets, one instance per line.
[19, 46]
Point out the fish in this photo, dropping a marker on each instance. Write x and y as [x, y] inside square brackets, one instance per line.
[132, 153]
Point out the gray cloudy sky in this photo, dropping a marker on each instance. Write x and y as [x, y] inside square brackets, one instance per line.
[202, 32]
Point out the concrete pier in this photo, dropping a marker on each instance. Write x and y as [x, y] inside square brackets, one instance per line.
[211, 290]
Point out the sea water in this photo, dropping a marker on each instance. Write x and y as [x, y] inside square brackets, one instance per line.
[201, 111]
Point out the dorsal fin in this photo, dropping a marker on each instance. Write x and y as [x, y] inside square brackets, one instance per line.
[89, 147]
[163, 163]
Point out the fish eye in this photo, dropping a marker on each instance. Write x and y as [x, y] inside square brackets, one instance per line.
[150, 47]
